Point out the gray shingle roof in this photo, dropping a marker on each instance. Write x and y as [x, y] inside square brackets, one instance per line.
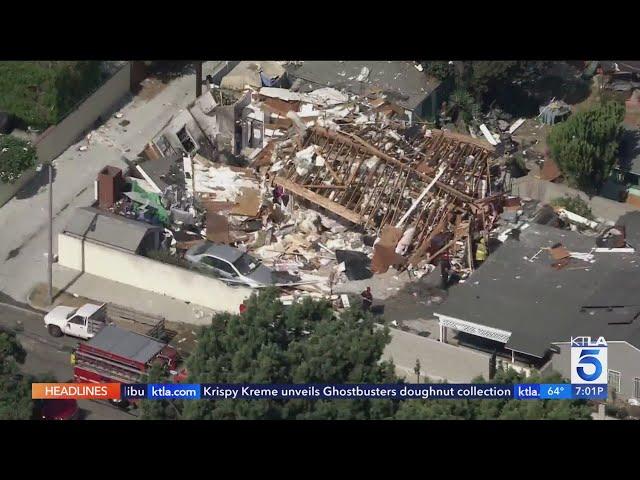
[403, 83]
[540, 304]
[115, 230]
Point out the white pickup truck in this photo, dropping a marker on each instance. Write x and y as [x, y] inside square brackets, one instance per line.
[83, 322]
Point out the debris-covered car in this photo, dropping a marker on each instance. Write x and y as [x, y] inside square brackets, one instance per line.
[235, 266]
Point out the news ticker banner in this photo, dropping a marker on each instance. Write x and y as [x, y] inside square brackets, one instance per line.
[409, 391]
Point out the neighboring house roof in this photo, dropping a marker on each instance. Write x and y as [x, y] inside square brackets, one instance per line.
[124, 343]
[540, 305]
[103, 227]
[629, 152]
[248, 73]
[401, 81]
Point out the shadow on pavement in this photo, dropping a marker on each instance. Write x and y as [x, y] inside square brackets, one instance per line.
[38, 182]
[7, 300]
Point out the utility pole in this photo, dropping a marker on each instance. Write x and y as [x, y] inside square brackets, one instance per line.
[50, 255]
[198, 79]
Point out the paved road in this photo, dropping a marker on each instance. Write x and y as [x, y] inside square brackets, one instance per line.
[50, 356]
[24, 219]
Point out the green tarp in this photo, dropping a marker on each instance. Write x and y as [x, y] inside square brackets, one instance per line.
[146, 199]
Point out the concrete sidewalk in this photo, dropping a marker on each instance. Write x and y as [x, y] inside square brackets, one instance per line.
[544, 191]
[103, 290]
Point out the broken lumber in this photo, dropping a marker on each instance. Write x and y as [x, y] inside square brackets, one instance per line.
[443, 167]
[319, 200]
[355, 141]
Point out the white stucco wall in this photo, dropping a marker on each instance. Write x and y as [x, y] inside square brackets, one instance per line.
[148, 274]
[437, 360]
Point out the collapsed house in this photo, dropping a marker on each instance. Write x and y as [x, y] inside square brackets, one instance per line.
[325, 184]
[433, 197]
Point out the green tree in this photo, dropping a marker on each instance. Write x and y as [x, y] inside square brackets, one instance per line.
[303, 343]
[41, 93]
[585, 146]
[74, 82]
[481, 76]
[462, 102]
[15, 389]
[442, 70]
[310, 343]
[487, 80]
[16, 156]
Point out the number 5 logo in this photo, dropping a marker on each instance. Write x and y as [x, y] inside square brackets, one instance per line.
[587, 358]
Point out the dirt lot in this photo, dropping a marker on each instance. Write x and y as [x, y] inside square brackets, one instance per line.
[532, 136]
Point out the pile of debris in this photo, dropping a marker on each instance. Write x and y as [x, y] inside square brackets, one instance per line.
[337, 188]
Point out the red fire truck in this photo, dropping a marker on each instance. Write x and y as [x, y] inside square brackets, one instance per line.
[117, 355]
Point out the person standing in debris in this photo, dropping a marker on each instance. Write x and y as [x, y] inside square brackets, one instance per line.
[367, 299]
[445, 268]
[279, 196]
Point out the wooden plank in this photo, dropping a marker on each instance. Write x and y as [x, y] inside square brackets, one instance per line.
[465, 139]
[319, 200]
[334, 187]
[420, 197]
[488, 135]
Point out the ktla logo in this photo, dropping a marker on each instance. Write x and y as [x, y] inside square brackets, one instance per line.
[588, 360]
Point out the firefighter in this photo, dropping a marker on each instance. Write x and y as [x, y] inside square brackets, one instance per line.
[73, 357]
[367, 299]
[481, 252]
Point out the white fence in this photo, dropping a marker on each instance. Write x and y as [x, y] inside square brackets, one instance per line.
[148, 274]
[438, 360]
